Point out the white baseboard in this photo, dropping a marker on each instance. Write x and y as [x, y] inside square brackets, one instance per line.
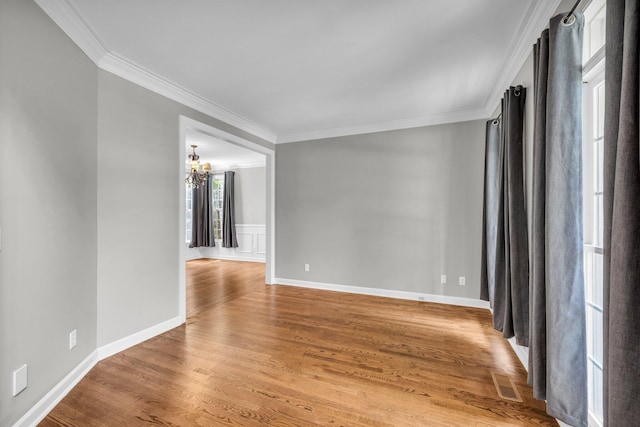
[414, 296]
[233, 258]
[138, 337]
[593, 420]
[57, 393]
[230, 256]
[521, 351]
[60, 390]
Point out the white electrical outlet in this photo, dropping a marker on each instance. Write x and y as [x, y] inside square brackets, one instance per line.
[462, 281]
[19, 379]
[306, 267]
[443, 279]
[73, 338]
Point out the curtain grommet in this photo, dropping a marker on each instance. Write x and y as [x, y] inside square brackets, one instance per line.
[568, 20]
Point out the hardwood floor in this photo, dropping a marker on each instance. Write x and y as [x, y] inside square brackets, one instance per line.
[252, 354]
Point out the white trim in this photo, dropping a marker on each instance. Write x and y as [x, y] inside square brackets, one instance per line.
[533, 23]
[414, 296]
[138, 337]
[595, 67]
[74, 26]
[247, 249]
[40, 410]
[77, 28]
[270, 247]
[45, 405]
[414, 122]
[593, 420]
[186, 124]
[182, 233]
[137, 74]
[521, 351]
[228, 258]
[223, 168]
[222, 135]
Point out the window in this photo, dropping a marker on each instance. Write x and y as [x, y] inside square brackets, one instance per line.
[594, 38]
[188, 213]
[217, 200]
[593, 200]
[594, 28]
[217, 194]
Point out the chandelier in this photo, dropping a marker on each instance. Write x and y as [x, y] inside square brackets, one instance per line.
[198, 174]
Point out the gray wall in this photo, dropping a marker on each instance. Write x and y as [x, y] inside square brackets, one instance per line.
[138, 205]
[251, 195]
[137, 209]
[390, 210]
[89, 204]
[48, 111]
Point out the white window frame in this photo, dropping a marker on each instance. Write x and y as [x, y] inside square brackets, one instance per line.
[220, 177]
[593, 77]
[188, 212]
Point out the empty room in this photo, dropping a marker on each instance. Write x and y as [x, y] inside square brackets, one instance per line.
[299, 213]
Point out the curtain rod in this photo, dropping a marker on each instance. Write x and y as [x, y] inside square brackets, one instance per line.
[567, 19]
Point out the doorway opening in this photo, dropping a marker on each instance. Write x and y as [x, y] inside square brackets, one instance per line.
[190, 127]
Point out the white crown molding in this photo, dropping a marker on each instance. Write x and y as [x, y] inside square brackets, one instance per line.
[388, 293]
[134, 73]
[414, 122]
[75, 27]
[533, 22]
[72, 23]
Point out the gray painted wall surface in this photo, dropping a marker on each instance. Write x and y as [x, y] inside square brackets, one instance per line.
[138, 205]
[89, 231]
[138, 182]
[48, 102]
[251, 196]
[390, 210]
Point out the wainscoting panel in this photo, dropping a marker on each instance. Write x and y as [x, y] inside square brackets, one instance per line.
[245, 243]
[251, 246]
[261, 243]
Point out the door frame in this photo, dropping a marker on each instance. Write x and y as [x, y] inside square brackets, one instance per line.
[187, 124]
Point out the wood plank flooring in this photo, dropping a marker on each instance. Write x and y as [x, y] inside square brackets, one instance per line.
[252, 354]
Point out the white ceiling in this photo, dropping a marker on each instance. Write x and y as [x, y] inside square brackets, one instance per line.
[290, 70]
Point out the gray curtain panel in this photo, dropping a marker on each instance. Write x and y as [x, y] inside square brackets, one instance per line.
[557, 349]
[537, 291]
[492, 178]
[229, 239]
[202, 216]
[515, 215]
[505, 270]
[622, 215]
